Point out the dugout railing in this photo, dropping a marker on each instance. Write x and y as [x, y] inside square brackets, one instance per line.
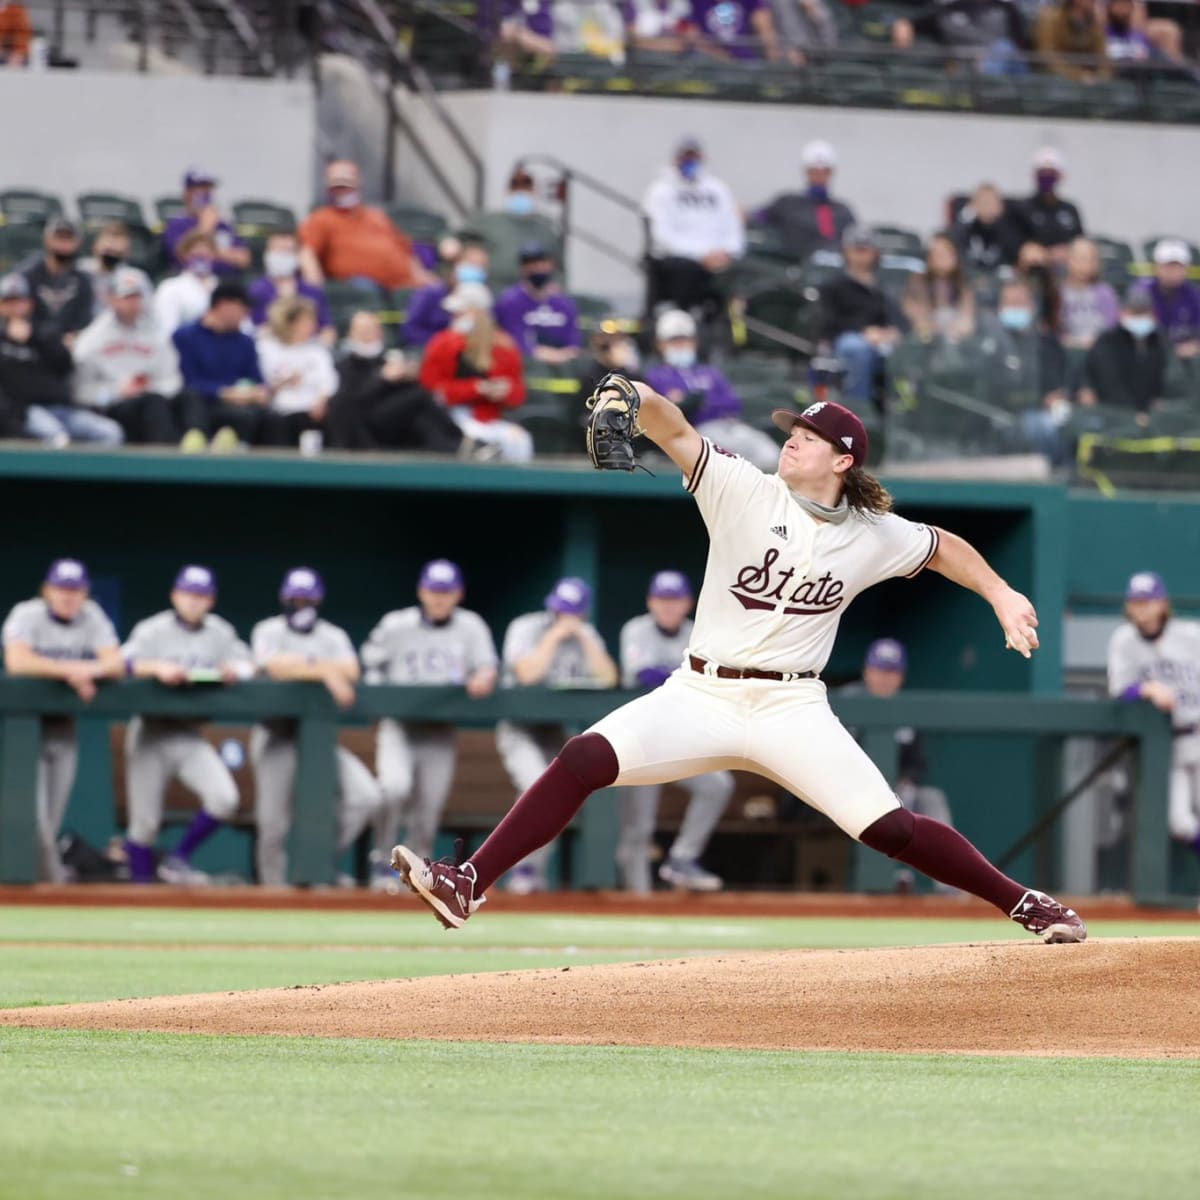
[23, 702]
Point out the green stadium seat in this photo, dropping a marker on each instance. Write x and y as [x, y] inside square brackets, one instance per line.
[345, 299]
[166, 208]
[26, 206]
[99, 208]
[893, 239]
[257, 217]
[145, 249]
[1174, 100]
[17, 242]
[1116, 261]
[420, 224]
[592, 311]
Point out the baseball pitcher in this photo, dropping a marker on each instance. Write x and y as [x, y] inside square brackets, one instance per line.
[298, 645]
[61, 634]
[787, 553]
[187, 644]
[652, 646]
[434, 642]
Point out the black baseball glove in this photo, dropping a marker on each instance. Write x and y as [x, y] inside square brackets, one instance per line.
[613, 425]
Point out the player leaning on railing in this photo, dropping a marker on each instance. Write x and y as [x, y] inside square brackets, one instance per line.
[787, 554]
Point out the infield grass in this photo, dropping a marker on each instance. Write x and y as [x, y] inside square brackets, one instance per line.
[154, 1116]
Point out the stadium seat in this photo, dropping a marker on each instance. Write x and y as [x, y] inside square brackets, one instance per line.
[345, 299]
[25, 206]
[1116, 260]
[893, 239]
[167, 208]
[258, 217]
[420, 224]
[592, 311]
[18, 241]
[98, 208]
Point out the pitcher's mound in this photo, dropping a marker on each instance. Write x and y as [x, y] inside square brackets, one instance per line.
[1118, 997]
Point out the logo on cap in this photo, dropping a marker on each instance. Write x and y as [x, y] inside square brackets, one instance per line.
[813, 409]
[69, 570]
[441, 573]
[302, 577]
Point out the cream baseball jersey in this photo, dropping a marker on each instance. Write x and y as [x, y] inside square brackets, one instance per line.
[777, 581]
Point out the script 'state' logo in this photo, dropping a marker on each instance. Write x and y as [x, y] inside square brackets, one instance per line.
[763, 587]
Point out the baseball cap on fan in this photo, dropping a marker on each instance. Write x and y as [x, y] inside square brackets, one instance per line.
[674, 323]
[836, 424]
[68, 573]
[441, 575]
[126, 282]
[14, 286]
[571, 596]
[302, 583]
[1172, 250]
[1047, 158]
[200, 581]
[818, 154]
[1146, 585]
[198, 177]
[887, 654]
[670, 585]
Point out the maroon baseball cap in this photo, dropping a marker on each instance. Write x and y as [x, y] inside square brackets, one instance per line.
[835, 423]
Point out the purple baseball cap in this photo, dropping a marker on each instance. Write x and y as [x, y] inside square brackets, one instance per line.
[1146, 585]
[200, 581]
[833, 422]
[198, 177]
[441, 575]
[571, 596]
[887, 654]
[302, 583]
[670, 585]
[68, 573]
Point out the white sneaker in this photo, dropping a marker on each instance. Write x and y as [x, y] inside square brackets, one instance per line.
[689, 875]
[181, 873]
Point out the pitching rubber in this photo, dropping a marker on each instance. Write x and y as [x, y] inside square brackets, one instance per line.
[410, 869]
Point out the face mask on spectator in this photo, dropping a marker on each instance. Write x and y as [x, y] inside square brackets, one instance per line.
[65, 257]
[198, 265]
[519, 204]
[345, 199]
[110, 262]
[1047, 181]
[689, 168]
[680, 356]
[1140, 327]
[365, 349]
[302, 619]
[470, 273]
[280, 263]
[539, 279]
[463, 324]
[819, 192]
[1016, 319]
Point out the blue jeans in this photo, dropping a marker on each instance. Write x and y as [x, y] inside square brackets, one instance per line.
[63, 422]
[1043, 434]
[861, 361]
[1003, 58]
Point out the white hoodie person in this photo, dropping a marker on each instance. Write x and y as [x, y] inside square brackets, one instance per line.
[693, 214]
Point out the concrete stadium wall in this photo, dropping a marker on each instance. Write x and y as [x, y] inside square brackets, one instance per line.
[136, 134]
[1132, 180]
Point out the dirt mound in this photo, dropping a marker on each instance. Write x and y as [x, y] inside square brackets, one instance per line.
[1128, 997]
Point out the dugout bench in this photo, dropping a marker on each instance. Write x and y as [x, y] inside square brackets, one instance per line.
[24, 701]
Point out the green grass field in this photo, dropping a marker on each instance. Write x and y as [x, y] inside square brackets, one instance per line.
[122, 1115]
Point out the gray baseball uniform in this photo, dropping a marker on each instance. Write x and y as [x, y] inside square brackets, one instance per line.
[1174, 659]
[646, 647]
[415, 759]
[32, 624]
[274, 755]
[527, 750]
[157, 749]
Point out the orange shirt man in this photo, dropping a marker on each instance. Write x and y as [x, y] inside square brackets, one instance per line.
[346, 239]
[16, 32]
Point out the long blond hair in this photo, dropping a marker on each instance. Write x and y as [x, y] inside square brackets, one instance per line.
[480, 342]
[284, 313]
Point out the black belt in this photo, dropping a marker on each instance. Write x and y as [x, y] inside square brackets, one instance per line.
[1184, 730]
[703, 667]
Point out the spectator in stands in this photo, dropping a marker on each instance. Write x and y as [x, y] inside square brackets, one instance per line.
[1024, 371]
[126, 367]
[1089, 305]
[1050, 220]
[16, 34]
[231, 256]
[296, 365]
[804, 26]
[542, 321]
[224, 395]
[281, 280]
[61, 292]
[467, 262]
[1176, 302]
[527, 26]
[110, 254]
[185, 298]
[991, 32]
[1071, 40]
[812, 219]
[1035, 269]
[657, 26]
[612, 350]
[1125, 37]
[859, 318]
[940, 303]
[1126, 368]
[594, 27]
[379, 405]
[352, 241]
[743, 31]
[475, 368]
[703, 392]
[696, 232]
[558, 648]
[987, 232]
[35, 376]
[520, 200]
